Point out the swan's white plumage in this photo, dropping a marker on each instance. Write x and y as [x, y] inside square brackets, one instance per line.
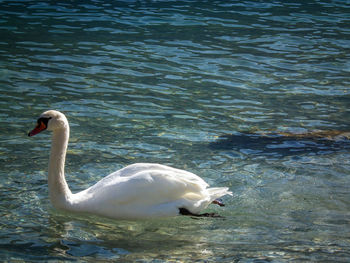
[141, 190]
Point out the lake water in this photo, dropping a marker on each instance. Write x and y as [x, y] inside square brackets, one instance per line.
[161, 81]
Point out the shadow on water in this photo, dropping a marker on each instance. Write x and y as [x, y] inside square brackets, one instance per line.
[284, 143]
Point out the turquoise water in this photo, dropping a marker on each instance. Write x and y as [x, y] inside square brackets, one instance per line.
[159, 82]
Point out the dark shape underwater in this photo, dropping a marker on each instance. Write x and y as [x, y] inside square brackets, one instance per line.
[284, 143]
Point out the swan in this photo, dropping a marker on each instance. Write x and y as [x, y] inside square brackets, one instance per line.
[138, 191]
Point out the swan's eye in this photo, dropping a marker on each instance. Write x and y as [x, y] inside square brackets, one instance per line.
[44, 120]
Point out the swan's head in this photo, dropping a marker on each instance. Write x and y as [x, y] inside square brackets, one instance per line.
[50, 120]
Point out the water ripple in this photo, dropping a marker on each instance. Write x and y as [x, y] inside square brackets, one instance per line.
[161, 82]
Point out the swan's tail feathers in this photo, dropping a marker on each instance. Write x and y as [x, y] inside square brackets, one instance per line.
[211, 195]
[216, 192]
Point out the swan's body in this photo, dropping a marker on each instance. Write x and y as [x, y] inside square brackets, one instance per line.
[142, 190]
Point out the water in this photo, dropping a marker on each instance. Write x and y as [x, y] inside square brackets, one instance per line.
[160, 82]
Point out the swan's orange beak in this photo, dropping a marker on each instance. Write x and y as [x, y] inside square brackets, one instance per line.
[39, 128]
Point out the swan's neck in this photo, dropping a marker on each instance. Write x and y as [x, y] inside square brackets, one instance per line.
[58, 187]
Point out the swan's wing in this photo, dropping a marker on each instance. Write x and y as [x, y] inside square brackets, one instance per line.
[132, 170]
[147, 184]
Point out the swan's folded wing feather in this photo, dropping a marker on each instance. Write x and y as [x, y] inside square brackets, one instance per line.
[133, 169]
[149, 187]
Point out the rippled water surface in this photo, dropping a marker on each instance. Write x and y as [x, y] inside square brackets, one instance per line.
[161, 81]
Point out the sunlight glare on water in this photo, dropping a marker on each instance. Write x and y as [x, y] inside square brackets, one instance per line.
[163, 82]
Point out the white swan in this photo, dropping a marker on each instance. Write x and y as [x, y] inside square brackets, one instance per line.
[142, 190]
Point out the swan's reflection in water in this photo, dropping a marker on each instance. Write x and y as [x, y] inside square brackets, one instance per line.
[101, 238]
